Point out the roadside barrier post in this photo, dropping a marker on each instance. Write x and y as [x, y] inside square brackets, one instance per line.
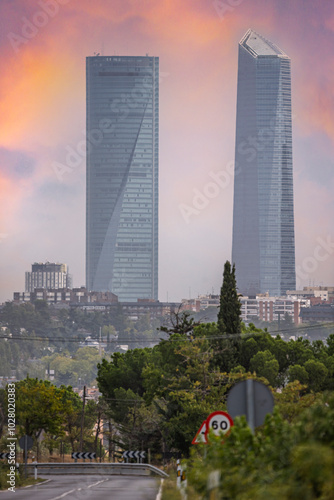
[35, 470]
[178, 474]
[213, 484]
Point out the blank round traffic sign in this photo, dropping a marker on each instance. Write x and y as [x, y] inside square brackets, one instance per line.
[261, 400]
[219, 422]
[26, 441]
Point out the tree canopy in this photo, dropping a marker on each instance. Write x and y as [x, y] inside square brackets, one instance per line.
[230, 306]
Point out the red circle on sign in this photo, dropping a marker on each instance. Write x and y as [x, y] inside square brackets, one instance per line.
[219, 422]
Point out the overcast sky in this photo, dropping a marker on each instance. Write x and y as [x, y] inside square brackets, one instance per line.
[42, 109]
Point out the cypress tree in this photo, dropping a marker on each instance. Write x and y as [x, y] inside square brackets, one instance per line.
[229, 320]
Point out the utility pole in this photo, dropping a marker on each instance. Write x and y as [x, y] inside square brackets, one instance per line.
[100, 349]
[82, 418]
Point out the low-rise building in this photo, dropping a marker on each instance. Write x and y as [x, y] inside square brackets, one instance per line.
[308, 292]
[319, 313]
[98, 301]
[66, 296]
[48, 275]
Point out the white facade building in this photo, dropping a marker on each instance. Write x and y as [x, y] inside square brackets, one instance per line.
[48, 276]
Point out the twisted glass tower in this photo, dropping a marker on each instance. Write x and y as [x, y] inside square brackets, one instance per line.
[122, 176]
[263, 247]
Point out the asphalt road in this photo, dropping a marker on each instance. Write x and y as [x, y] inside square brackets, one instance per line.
[85, 487]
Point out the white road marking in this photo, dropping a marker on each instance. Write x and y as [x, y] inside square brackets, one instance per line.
[63, 495]
[159, 495]
[78, 489]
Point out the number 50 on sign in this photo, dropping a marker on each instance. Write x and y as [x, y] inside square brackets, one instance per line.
[219, 422]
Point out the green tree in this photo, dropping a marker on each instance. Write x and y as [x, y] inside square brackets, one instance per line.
[265, 365]
[317, 373]
[39, 407]
[297, 372]
[72, 415]
[181, 323]
[72, 419]
[5, 355]
[330, 344]
[293, 400]
[229, 320]
[249, 348]
[124, 370]
[299, 351]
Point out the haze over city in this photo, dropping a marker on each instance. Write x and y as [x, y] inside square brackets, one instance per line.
[42, 102]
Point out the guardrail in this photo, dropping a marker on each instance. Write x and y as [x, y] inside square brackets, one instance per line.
[96, 468]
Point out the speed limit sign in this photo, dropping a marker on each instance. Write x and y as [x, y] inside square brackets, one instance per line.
[219, 422]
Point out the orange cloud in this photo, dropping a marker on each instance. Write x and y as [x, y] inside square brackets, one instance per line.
[33, 93]
[171, 19]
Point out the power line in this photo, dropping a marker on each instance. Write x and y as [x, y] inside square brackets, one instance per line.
[228, 336]
[64, 339]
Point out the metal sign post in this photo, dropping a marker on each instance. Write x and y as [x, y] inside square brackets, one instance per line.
[26, 442]
[250, 404]
[252, 399]
[25, 455]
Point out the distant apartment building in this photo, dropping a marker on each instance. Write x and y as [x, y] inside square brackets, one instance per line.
[65, 296]
[319, 292]
[202, 302]
[155, 309]
[47, 276]
[98, 301]
[319, 313]
[275, 309]
[321, 303]
[262, 307]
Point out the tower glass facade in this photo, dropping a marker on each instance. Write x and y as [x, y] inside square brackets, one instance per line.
[263, 247]
[122, 176]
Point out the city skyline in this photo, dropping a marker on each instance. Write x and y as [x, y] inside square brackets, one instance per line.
[263, 244]
[42, 148]
[122, 176]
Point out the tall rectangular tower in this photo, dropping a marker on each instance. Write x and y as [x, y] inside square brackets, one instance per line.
[122, 176]
[263, 247]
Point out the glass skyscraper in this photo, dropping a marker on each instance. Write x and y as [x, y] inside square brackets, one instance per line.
[263, 247]
[122, 176]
